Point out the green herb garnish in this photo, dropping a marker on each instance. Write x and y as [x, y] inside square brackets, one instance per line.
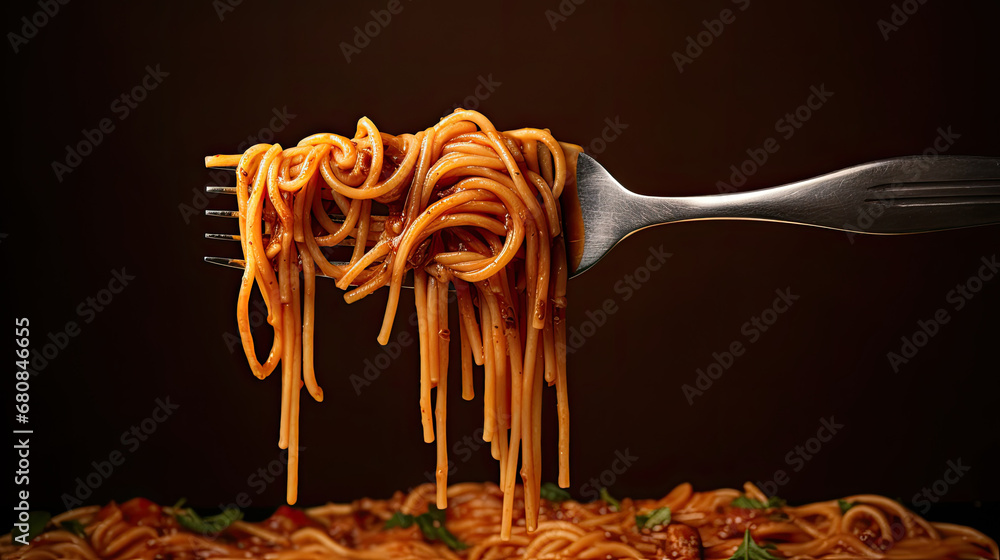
[554, 493]
[746, 502]
[190, 520]
[845, 505]
[431, 525]
[37, 520]
[75, 527]
[615, 504]
[750, 550]
[399, 519]
[659, 516]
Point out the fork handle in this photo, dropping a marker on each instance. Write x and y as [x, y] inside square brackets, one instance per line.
[891, 196]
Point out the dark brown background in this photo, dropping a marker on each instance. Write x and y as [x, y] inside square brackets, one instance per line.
[163, 336]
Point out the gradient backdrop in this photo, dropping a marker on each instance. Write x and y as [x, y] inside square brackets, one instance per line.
[604, 75]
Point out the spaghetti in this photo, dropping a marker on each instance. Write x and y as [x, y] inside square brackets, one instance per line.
[466, 206]
[477, 209]
[704, 525]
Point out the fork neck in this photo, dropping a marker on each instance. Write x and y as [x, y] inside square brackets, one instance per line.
[648, 211]
[784, 203]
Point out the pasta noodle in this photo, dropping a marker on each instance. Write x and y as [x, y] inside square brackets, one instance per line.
[477, 210]
[704, 525]
[466, 206]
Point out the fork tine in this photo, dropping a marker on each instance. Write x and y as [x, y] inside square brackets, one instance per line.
[227, 262]
[234, 237]
[219, 189]
[945, 169]
[223, 213]
[222, 236]
[240, 264]
[968, 191]
[377, 225]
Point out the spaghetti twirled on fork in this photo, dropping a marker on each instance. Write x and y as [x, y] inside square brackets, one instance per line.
[478, 209]
[468, 206]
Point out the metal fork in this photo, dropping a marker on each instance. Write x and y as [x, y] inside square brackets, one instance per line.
[375, 229]
[892, 196]
[900, 195]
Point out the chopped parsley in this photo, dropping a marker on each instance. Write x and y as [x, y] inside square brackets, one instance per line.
[431, 524]
[75, 527]
[37, 520]
[213, 524]
[399, 519]
[750, 550]
[845, 505]
[659, 516]
[743, 501]
[554, 493]
[613, 503]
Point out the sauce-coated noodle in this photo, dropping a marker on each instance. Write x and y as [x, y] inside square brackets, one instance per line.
[704, 525]
[466, 206]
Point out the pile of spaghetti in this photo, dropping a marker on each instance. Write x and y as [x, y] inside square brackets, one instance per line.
[465, 206]
[683, 525]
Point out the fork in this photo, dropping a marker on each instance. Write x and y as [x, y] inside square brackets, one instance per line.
[912, 194]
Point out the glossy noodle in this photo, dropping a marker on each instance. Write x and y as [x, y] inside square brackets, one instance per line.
[703, 525]
[465, 206]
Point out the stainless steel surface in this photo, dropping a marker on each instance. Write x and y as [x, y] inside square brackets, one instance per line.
[236, 237]
[240, 264]
[893, 196]
[376, 227]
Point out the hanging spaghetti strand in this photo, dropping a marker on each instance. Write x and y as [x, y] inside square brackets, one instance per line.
[459, 204]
